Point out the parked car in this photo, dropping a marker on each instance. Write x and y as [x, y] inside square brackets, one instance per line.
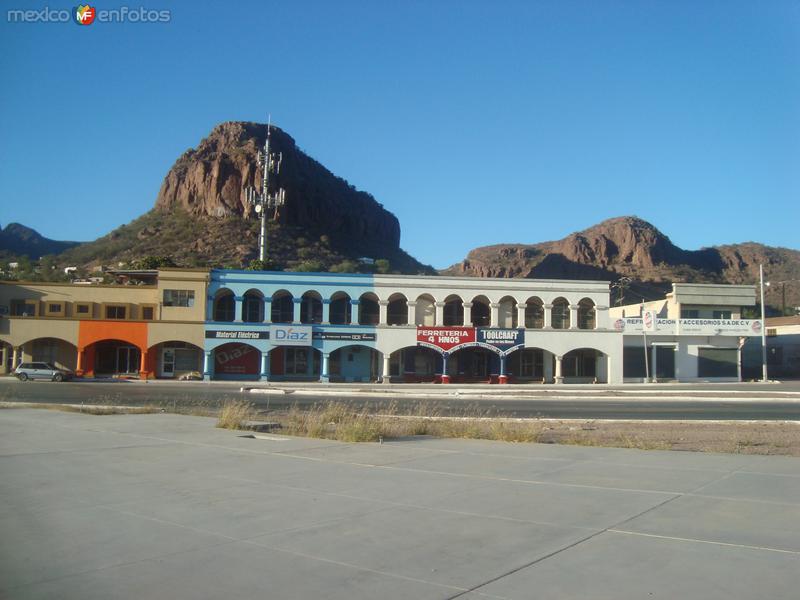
[40, 370]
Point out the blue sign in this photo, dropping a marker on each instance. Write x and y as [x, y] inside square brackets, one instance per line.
[502, 341]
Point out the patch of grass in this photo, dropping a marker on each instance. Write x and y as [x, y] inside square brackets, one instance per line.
[235, 414]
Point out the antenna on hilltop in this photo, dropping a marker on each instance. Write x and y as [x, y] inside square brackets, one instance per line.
[270, 162]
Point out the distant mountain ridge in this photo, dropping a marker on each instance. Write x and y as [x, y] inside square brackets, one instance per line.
[631, 247]
[17, 239]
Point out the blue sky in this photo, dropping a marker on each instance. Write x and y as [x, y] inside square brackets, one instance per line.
[474, 122]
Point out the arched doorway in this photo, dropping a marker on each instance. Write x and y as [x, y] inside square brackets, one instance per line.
[340, 309]
[115, 358]
[282, 307]
[481, 312]
[473, 365]
[397, 310]
[59, 353]
[368, 309]
[224, 310]
[295, 363]
[527, 365]
[175, 359]
[253, 307]
[415, 364]
[236, 360]
[584, 365]
[311, 308]
[453, 311]
[354, 363]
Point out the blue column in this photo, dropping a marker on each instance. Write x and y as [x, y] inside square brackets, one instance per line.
[267, 310]
[325, 375]
[326, 311]
[239, 300]
[265, 366]
[297, 303]
[208, 366]
[445, 376]
[210, 309]
[354, 312]
[503, 378]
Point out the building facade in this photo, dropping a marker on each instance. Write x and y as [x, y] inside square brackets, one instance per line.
[148, 325]
[284, 326]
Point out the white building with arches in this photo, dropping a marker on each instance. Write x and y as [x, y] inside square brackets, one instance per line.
[351, 327]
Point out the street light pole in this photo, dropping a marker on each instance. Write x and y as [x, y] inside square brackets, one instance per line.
[763, 327]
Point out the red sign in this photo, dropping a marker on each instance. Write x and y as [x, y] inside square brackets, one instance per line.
[236, 359]
[445, 338]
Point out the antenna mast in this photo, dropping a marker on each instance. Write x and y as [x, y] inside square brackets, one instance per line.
[270, 162]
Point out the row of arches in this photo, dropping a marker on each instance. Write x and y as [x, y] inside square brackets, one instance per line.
[413, 364]
[341, 309]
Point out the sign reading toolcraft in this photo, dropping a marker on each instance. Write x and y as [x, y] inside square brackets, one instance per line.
[217, 334]
[445, 338]
[344, 337]
[290, 335]
[502, 341]
[738, 327]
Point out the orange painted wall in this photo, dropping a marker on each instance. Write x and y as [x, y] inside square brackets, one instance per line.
[90, 332]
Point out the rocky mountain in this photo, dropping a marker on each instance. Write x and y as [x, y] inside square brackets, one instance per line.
[632, 247]
[18, 240]
[200, 216]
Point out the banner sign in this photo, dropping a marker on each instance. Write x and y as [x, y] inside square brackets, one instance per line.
[737, 327]
[344, 337]
[290, 335]
[217, 334]
[236, 359]
[445, 339]
[649, 318]
[502, 341]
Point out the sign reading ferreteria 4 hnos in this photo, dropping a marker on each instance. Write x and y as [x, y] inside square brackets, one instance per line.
[738, 327]
[450, 339]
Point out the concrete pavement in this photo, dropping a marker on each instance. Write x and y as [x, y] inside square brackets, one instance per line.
[164, 506]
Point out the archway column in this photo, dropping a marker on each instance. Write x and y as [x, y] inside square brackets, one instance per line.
[548, 316]
[386, 368]
[445, 376]
[267, 310]
[207, 365]
[353, 312]
[326, 311]
[573, 316]
[559, 378]
[439, 314]
[503, 378]
[16, 357]
[495, 318]
[238, 304]
[210, 308]
[382, 310]
[521, 315]
[467, 313]
[264, 376]
[298, 302]
[325, 374]
[411, 312]
[142, 363]
[79, 367]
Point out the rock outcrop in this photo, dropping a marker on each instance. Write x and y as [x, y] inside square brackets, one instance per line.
[208, 181]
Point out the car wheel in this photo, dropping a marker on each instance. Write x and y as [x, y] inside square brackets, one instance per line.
[58, 377]
[22, 377]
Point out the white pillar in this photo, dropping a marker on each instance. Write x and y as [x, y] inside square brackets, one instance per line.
[208, 367]
[267, 310]
[573, 316]
[548, 316]
[521, 315]
[467, 314]
[495, 318]
[598, 310]
[386, 368]
[382, 309]
[326, 312]
[439, 314]
[325, 375]
[411, 312]
[559, 376]
[296, 312]
[654, 363]
[238, 302]
[264, 366]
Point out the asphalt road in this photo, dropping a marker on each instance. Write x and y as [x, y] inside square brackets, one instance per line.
[541, 403]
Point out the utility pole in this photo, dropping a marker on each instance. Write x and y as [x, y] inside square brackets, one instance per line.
[270, 162]
[763, 327]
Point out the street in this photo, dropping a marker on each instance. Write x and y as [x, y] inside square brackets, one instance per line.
[747, 401]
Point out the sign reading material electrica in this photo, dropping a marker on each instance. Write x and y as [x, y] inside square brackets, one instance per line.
[290, 335]
[217, 334]
[445, 338]
[502, 341]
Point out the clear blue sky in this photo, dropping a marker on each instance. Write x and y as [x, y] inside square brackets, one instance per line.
[474, 122]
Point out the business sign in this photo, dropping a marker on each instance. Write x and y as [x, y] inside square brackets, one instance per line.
[649, 318]
[501, 341]
[336, 336]
[445, 339]
[236, 359]
[216, 334]
[737, 327]
[290, 335]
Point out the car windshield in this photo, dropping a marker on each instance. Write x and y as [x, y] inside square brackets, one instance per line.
[51, 366]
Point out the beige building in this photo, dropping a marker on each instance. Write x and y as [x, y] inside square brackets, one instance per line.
[148, 324]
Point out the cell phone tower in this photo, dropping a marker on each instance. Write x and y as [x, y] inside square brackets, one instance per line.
[270, 162]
